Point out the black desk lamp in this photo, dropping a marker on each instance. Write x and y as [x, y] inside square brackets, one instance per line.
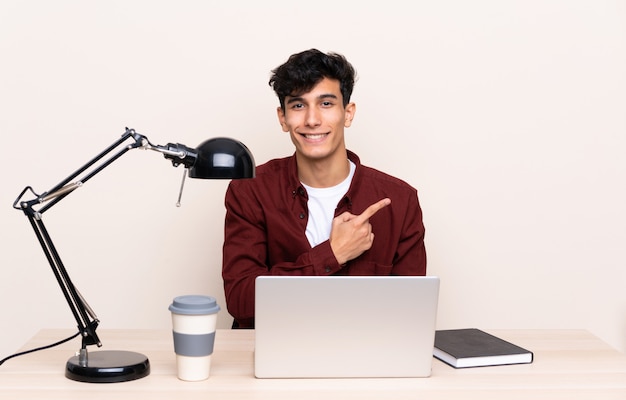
[218, 158]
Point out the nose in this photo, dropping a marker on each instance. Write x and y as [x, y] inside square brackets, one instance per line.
[313, 117]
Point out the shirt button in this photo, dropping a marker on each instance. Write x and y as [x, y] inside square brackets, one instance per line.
[327, 269]
[301, 215]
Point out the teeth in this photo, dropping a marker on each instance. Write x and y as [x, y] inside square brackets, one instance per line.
[313, 137]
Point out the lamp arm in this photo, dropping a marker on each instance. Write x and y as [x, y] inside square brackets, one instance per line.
[86, 319]
[33, 209]
[65, 187]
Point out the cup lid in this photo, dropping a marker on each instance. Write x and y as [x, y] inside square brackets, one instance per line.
[194, 305]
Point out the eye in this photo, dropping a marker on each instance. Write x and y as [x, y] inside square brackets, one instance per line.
[297, 106]
[327, 103]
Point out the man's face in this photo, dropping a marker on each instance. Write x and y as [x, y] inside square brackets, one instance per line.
[316, 120]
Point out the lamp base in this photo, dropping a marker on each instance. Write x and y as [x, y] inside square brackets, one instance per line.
[108, 366]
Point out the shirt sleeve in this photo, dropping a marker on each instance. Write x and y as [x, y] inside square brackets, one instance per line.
[410, 257]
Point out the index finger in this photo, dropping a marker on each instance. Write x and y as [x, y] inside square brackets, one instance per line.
[373, 209]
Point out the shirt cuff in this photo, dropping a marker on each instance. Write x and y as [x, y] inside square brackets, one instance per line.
[324, 260]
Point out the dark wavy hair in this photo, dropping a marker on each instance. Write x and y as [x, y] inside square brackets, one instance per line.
[302, 71]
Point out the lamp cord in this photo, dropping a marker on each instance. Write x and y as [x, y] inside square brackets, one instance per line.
[39, 348]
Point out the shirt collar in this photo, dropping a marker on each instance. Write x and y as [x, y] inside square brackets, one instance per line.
[296, 185]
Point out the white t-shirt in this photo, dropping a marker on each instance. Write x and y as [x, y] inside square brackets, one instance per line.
[322, 204]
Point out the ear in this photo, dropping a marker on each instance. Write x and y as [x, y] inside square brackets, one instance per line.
[281, 119]
[349, 114]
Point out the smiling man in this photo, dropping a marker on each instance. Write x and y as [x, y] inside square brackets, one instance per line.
[319, 211]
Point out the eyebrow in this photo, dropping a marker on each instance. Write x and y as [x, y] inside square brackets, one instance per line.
[320, 97]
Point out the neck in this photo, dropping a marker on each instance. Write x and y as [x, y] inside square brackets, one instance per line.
[323, 173]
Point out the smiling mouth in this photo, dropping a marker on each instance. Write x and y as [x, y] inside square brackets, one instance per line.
[316, 136]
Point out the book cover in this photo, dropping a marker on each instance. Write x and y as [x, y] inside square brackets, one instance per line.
[463, 348]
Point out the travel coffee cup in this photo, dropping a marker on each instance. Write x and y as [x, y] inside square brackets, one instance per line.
[194, 318]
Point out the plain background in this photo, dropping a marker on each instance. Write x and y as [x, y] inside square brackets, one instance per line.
[509, 117]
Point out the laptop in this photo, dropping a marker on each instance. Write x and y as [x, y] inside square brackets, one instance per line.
[345, 326]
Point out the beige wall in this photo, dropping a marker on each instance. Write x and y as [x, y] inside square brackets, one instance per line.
[508, 116]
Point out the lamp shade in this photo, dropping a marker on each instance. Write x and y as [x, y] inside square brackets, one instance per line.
[223, 158]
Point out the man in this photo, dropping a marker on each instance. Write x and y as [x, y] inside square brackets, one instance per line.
[318, 212]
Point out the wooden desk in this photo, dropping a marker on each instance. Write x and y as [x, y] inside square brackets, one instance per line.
[568, 365]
